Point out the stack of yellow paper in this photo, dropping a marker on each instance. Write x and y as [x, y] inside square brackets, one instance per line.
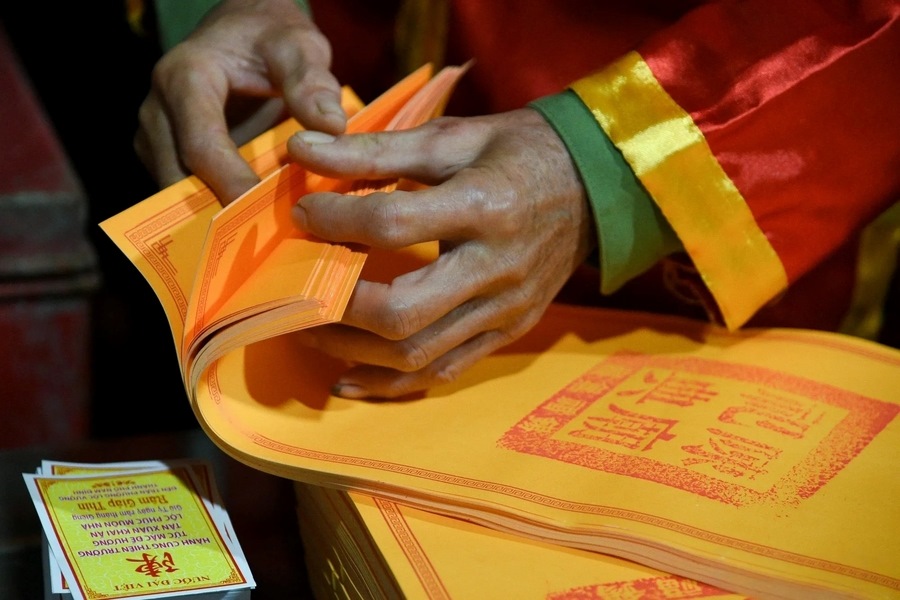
[364, 548]
[760, 462]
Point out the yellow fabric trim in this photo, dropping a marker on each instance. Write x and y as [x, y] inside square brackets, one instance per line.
[134, 13]
[420, 34]
[670, 156]
[876, 262]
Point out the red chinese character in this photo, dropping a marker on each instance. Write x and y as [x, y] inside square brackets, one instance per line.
[151, 566]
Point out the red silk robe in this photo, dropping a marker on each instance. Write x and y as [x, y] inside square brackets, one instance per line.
[767, 132]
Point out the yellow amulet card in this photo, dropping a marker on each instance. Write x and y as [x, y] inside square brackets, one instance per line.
[151, 534]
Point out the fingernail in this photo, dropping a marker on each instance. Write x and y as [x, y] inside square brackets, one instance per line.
[331, 108]
[298, 218]
[314, 137]
[349, 390]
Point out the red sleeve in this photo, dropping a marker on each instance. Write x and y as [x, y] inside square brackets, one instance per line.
[768, 132]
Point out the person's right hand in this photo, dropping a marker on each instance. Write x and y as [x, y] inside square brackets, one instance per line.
[505, 202]
[265, 54]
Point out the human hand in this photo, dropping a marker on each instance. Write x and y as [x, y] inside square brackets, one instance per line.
[229, 81]
[513, 222]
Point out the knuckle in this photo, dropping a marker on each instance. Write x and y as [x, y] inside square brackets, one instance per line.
[316, 44]
[497, 208]
[412, 382]
[388, 220]
[288, 41]
[413, 357]
[148, 116]
[521, 323]
[447, 125]
[399, 320]
[504, 209]
[448, 373]
[516, 273]
[180, 63]
[193, 150]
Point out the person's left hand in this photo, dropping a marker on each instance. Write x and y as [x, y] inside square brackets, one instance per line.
[513, 222]
[231, 79]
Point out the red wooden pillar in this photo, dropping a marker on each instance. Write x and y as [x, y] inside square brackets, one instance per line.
[47, 272]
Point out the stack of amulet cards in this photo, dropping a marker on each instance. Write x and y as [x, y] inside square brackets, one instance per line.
[146, 529]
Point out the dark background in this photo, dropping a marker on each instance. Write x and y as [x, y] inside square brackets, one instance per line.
[90, 72]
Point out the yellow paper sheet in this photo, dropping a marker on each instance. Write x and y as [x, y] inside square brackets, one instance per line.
[759, 462]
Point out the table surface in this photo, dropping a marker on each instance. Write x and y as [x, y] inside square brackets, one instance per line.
[262, 509]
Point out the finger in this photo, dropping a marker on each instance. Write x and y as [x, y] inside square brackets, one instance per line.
[421, 346]
[397, 312]
[372, 381]
[389, 221]
[197, 116]
[302, 71]
[358, 346]
[315, 101]
[265, 115]
[429, 153]
[313, 95]
[155, 146]
[452, 211]
[416, 300]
